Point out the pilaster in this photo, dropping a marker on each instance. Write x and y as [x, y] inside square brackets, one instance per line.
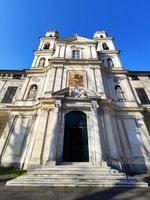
[54, 133]
[97, 154]
[39, 140]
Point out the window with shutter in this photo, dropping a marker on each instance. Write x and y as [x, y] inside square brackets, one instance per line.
[8, 97]
[142, 95]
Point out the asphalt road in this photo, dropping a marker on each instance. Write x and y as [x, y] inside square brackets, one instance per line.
[73, 193]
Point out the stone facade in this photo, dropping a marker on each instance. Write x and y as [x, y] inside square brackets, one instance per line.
[81, 75]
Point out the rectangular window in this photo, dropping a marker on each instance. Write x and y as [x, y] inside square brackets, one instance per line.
[142, 95]
[8, 97]
[76, 54]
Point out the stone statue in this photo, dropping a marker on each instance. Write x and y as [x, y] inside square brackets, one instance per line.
[110, 63]
[42, 62]
[120, 93]
[32, 93]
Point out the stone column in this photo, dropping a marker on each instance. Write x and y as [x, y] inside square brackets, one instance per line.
[97, 154]
[54, 133]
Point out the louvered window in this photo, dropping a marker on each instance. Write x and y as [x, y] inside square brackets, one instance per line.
[10, 93]
[142, 96]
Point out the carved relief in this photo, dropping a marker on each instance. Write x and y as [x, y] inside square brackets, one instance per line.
[76, 78]
[76, 92]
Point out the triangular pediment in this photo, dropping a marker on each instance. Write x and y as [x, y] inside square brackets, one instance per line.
[62, 92]
[75, 92]
[78, 39]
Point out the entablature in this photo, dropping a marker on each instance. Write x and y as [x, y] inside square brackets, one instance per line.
[74, 61]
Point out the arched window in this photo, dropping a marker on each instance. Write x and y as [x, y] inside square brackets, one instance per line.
[42, 62]
[32, 92]
[110, 63]
[119, 93]
[47, 45]
[105, 46]
[101, 36]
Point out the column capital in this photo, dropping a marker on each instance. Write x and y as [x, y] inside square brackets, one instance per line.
[44, 108]
[57, 103]
[105, 109]
[94, 105]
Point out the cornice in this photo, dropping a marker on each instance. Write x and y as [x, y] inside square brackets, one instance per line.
[12, 71]
[43, 38]
[115, 71]
[109, 51]
[47, 51]
[74, 61]
[138, 72]
[104, 39]
[43, 103]
[36, 70]
[76, 42]
[108, 102]
[49, 103]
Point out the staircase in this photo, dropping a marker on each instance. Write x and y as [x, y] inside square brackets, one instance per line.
[75, 174]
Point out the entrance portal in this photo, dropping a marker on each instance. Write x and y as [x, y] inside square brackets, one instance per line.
[75, 138]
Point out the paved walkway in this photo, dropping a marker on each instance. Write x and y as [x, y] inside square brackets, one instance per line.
[73, 193]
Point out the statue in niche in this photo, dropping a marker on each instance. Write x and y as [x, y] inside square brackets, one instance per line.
[119, 93]
[42, 62]
[110, 63]
[32, 92]
[76, 78]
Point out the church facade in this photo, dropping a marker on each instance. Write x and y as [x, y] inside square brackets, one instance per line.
[75, 104]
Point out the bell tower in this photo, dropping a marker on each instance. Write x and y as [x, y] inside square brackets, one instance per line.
[46, 49]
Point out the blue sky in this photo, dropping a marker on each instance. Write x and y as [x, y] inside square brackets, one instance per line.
[22, 22]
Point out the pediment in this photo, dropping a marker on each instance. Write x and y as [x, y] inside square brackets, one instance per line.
[76, 92]
[78, 39]
[62, 92]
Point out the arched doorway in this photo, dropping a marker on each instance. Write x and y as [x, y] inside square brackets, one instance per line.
[75, 138]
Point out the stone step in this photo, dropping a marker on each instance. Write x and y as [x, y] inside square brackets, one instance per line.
[75, 176]
[78, 177]
[60, 170]
[93, 173]
[73, 168]
[75, 163]
[104, 183]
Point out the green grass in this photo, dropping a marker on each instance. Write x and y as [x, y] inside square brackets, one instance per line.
[11, 172]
